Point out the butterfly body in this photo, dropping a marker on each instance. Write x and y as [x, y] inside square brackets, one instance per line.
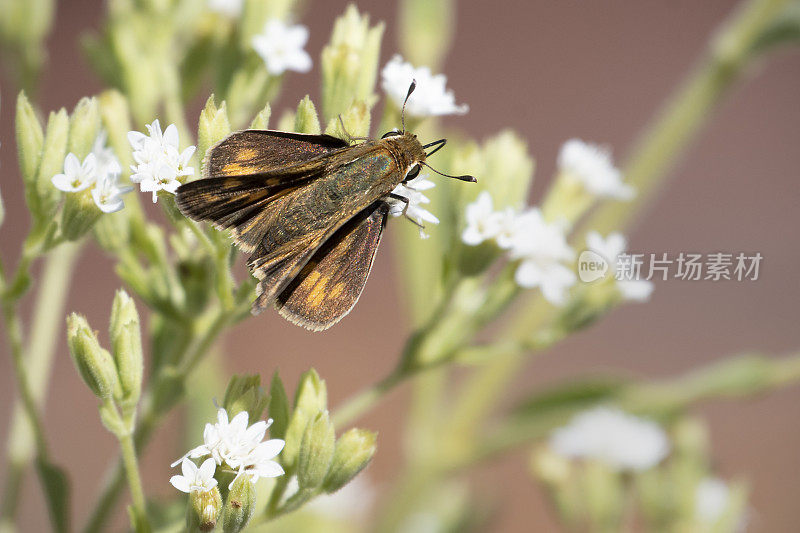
[309, 209]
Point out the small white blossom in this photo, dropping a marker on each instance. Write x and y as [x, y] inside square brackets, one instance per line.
[239, 446]
[543, 250]
[107, 193]
[228, 8]
[281, 47]
[592, 166]
[160, 165]
[107, 162]
[195, 479]
[431, 96]
[414, 210]
[618, 439]
[77, 176]
[483, 223]
[614, 245]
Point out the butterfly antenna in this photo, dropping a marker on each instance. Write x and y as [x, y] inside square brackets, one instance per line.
[438, 146]
[403, 111]
[464, 177]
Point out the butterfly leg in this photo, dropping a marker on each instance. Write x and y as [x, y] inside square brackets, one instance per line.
[401, 198]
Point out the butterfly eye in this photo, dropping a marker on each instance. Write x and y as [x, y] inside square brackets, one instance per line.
[413, 173]
[390, 134]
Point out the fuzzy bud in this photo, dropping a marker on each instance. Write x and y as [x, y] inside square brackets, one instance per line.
[213, 126]
[79, 215]
[204, 510]
[316, 451]
[306, 119]
[311, 399]
[95, 365]
[84, 125]
[353, 452]
[245, 393]
[239, 505]
[126, 341]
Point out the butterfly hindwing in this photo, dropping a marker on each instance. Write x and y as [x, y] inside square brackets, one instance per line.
[330, 283]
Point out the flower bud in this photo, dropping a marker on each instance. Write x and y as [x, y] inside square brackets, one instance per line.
[116, 121]
[353, 452]
[306, 120]
[356, 122]
[239, 505]
[30, 139]
[94, 364]
[316, 451]
[261, 121]
[84, 125]
[245, 393]
[80, 213]
[113, 231]
[426, 30]
[278, 408]
[508, 170]
[350, 62]
[213, 126]
[126, 342]
[53, 152]
[311, 399]
[204, 510]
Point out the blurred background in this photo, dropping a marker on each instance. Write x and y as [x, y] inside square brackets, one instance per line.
[551, 71]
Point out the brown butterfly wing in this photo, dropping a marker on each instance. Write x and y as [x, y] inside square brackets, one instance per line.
[329, 285]
[246, 172]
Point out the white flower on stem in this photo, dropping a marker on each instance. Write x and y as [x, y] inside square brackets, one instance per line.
[543, 250]
[593, 167]
[281, 47]
[613, 437]
[413, 208]
[614, 245]
[77, 176]
[107, 193]
[229, 8]
[240, 446]
[483, 223]
[160, 164]
[195, 479]
[431, 97]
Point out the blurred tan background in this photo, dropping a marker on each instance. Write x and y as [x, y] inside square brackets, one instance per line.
[550, 70]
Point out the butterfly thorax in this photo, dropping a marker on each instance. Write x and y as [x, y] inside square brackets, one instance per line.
[406, 150]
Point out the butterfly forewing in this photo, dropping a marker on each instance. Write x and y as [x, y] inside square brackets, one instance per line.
[330, 284]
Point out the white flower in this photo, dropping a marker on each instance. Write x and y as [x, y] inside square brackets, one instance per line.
[77, 176]
[107, 162]
[107, 193]
[620, 440]
[711, 498]
[160, 164]
[543, 249]
[431, 96]
[592, 166]
[239, 446]
[614, 245]
[229, 8]
[281, 47]
[414, 210]
[195, 479]
[483, 223]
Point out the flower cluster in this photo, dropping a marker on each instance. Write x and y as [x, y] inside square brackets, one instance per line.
[100, 170]
[610, 248]
[431, 97]
[541, 247]
[281, 47]
[234, 445]
[613, 437]
[592, 166]
[411, 190]
[160, 164]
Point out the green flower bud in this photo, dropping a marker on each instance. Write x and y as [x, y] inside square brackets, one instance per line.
[79, 214]
[306, 120]
[204, 510]
[245, 393]
[316, 452]
[311, 399]
[507, 172]
[353, 452]
[126, 342]
[113, 231]
[84, 125]
[426, 30]
[95, 365]
[30, 140]
[278, 408]
[53, 152]
[350, 62]
[356, 122]
[116, 121]
[239, 505]
[261, 121]
[213, 126]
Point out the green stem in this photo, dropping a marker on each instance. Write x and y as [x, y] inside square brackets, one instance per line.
[128, 455]
[366, 399]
